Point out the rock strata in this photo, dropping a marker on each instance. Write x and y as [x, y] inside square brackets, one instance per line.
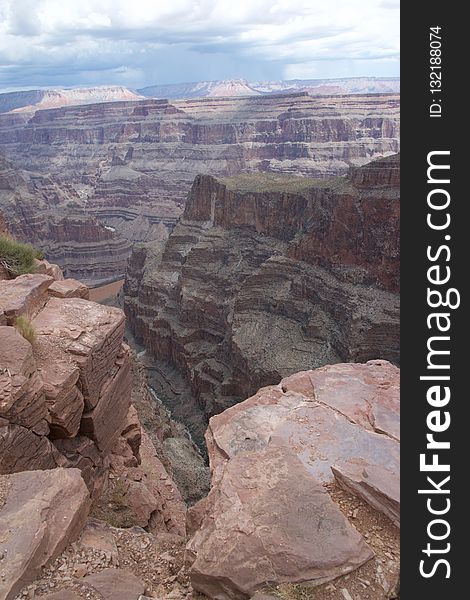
[265, 276]
[130, 165]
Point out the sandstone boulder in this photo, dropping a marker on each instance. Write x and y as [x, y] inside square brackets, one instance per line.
[87, 332]
[22, 450]
[103, 423]
[43, 511]
[46, 268]
[270, 522]
[115, 584]
[69, 288]
[25, 295]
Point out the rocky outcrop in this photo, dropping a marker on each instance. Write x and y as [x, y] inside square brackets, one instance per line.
[37, 210]
[40, 514]
[65, 396]
[274, 459]
[266, 275]
[131, 164]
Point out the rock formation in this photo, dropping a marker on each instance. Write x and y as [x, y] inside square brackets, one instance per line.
[38, 210]
[264, 276]
[240, 87]
[131, 164]
[66, 417]
[269, 518]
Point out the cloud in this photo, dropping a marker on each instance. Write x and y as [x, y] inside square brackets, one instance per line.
[139, 42]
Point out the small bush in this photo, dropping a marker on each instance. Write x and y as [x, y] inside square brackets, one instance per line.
[26, 328]
[17, 258]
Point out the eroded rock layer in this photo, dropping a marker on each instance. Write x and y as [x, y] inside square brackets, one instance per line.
[131, 164]
[39, 211]
[265, 275]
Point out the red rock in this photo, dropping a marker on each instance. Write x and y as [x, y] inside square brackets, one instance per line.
[377, 486]
[43, 512]
[132, 431]
[63, 397]
[269, 522]
[104, 422]
[25, 295]
[82, 453]
[44, 267]
[97, 535]
[23, 450]
[89, 333]
[115, 584]
[22, 399]
[69, 288]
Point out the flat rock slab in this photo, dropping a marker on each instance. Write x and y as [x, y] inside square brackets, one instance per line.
[43, 512]
[25, 295]
[115, 584]
[69, 288]
[328, 417]
[269, 522]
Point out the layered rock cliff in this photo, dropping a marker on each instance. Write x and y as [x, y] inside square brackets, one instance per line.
[38, 210]
[131, 164]
[264, 276]
[65, 405]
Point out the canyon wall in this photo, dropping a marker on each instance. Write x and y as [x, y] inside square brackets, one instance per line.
[131, 164]
[38, 210]
[267, 275]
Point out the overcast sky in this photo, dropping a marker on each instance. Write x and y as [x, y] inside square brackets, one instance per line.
[63, 43]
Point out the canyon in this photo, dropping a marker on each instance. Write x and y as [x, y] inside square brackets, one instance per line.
[130, 165]
[264, 276]
[226, 425]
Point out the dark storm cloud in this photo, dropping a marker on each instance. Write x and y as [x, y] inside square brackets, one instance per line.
[139, 42]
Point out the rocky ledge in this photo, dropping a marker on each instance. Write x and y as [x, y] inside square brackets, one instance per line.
[266, 275]
[69, 436]
[279, 461]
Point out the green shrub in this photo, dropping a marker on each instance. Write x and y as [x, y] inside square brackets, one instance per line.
[17, 258]
[26, 328]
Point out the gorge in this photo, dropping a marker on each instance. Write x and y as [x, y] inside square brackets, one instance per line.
[130, 164]
[259, 241]
[264, 276]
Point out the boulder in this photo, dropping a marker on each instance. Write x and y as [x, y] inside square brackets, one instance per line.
[64, 400]
[25, 296]
[43, 512]
[115, 584]
[269, 517]
[69, 288]
[88, 334]
[82, 453]
[104, 422]
[269, 522]
[44, 267]
[377, 486]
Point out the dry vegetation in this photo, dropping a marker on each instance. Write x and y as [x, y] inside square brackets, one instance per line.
[273, 182]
